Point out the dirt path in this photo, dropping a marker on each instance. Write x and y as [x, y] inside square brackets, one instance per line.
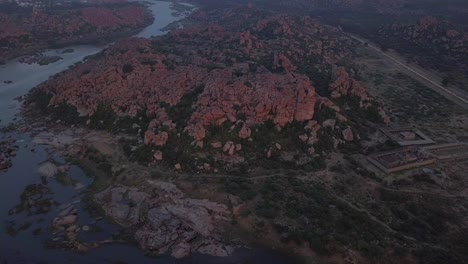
[453, 94]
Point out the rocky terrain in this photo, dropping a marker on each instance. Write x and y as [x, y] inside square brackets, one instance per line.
[431, 34]
[218, 89]
[250, 127]
[167, 222]
[26, 31]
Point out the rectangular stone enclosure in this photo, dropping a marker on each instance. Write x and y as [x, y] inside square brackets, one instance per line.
[407, 136]
[400, 159]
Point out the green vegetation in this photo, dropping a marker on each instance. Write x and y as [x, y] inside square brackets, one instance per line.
[314, 215]
[182, 111]
[351, 105]
[34, 200]
[419, 102]
[64, 179]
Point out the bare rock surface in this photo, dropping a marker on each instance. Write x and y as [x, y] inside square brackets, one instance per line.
[172, 223]
[48, 169]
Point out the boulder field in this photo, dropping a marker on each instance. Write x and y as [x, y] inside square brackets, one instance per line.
[219, 82]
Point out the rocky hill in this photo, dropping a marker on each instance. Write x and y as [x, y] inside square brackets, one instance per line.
[244, 87]
[29, 30]
[264, 114]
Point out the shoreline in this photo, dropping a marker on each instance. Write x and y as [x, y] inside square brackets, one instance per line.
[111, 155]
[91, 39]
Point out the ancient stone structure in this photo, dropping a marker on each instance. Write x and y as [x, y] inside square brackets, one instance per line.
[407, 136]
[400, 159]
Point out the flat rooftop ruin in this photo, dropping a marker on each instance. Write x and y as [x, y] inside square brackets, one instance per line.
[407, 136]
[400, 159]
[453, 151]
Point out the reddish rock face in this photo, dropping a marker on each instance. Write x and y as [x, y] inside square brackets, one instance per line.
[200, 80]
[277, 98]
[159, 139]
[343, 85]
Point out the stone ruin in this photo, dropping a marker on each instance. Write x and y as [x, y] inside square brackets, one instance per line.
[407, 136]
[400, 159]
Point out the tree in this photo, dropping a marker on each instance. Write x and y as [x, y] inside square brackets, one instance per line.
[447, 80]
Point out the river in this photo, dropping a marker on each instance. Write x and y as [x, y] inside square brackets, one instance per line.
[28, 244]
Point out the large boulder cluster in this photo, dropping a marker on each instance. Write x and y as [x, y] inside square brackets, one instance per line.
[245, 70]
[165, 221]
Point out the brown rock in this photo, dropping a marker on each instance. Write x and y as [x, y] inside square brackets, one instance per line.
[330, 123]
[217, 144]
[227, 146]
[304, 137]
[348, 134]
[344, 85]
[245, 132]
[232, 149]
[158, 155]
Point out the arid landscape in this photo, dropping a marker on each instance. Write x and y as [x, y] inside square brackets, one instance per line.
[248, 132]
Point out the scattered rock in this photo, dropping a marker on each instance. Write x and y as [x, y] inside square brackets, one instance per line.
[227, 146]
[173, 223]
[47, 169]
[217, 144]
[348, 134]
[158, 155]
[329, 123]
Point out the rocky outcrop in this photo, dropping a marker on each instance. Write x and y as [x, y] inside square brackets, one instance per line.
[170, 223]
[292, 99]
[343, 85]
[198, 87]
[122, 204]
[47, 169]
[159, 139]
[348, 134]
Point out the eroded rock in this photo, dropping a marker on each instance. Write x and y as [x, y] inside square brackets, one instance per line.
[173, 224]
